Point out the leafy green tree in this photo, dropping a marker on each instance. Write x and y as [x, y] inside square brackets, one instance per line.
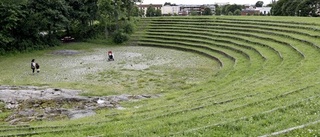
[207, 11]
[82, 16]
[295, 7]
[135, 12]
[224, 9]
[15, 2]
[127, 7]
[50, 14]
[106, 12]
[259, 4]
[307, 8]
[237, 12]
[115, 18]
[151, 11]
[291, 9]
[10, 18]
[218, 9]
[36, 24]
[277, 8]
[261, 14]
[141, 13]
[194, 13]
[158, 12]
[269, 5]
[232, 8]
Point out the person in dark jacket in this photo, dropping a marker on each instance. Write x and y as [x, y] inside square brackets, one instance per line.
[38, 67]
[111, 56]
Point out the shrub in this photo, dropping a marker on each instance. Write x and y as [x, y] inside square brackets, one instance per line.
[128, 28]
[120, 37]
[2, 51]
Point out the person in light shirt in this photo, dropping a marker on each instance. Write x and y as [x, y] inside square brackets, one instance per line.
[33, 65]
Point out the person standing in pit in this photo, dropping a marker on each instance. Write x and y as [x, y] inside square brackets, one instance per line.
[38, 67]
[33, 65]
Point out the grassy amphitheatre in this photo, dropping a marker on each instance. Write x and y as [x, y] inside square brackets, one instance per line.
[216, 76]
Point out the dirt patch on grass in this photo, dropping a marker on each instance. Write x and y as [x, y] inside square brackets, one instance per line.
[30, 103]
[136, 73]
[137, 70]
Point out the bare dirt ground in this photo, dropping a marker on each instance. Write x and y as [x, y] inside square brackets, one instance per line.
[136, 73]
[30, 103]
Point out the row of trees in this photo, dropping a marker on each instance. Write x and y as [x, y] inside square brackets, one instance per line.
[36, 24]
[279, 8]
[296, 8]
[233, 9]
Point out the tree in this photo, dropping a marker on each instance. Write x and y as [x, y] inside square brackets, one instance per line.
[14, 2]
[10, 19]
[207, 11]
[106, 12]
[141, 13]
[167, 3]
[115, 16]
[194, 13]
[302, 9]
[291, 9]
[151, 11]
[237, 12]
[51, 14]
[218, 9]
[277, 8]
[261, 14]
[36, 24]
[259, 4]
[158, 12]
[269, 5]
[307, 8]
[295, 7]
[135, 12]
[232, 8]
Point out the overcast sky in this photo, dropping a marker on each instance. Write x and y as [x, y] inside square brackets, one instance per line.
[205, 1]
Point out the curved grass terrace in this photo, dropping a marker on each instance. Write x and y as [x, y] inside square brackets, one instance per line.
[216, 76]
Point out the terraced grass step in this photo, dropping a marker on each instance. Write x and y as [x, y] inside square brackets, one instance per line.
[221, 38]
[282, 24]
[272, 33]
[193, 41]
[217, 59]
[303, 31]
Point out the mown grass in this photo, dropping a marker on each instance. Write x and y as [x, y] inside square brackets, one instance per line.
[269, 83]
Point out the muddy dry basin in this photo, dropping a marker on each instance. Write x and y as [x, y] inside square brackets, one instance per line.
[137, 73]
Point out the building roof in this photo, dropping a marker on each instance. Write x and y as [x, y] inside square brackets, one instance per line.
[147, 5]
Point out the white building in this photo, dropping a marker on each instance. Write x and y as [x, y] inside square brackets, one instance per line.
[264, 10]
[170, 10]
[144, 7]
[221, 3]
